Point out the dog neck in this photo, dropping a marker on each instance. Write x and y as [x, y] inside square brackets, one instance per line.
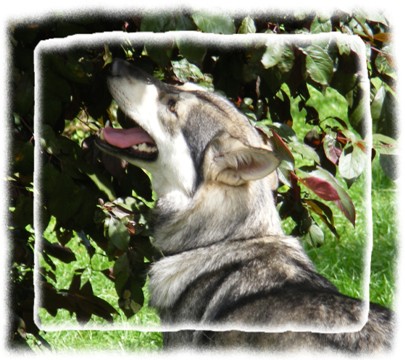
[216, 213]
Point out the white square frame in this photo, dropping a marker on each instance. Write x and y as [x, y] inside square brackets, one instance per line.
[77, 41]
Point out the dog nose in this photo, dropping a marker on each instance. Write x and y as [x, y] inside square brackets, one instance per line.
[122, 68]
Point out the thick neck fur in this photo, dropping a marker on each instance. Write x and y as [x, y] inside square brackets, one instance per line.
[215, 213]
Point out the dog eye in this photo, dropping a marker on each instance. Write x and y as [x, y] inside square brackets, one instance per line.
[171, 105]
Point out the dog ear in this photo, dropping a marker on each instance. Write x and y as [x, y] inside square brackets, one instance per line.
[234, 163]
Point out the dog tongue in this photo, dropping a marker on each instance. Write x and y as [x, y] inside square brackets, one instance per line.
[125, 138]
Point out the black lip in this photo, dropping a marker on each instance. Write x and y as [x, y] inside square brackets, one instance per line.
[127, 153]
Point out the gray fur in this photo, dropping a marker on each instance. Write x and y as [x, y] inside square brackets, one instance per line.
[227, 265]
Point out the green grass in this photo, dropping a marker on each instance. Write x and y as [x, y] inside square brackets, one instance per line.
[384, 256]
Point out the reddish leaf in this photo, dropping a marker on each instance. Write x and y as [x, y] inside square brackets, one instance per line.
[344, 201]
[347, 208]
[383, 37]
[324, 212]
[320, 187]
[320, 208]
[281, 149]
[332, 149]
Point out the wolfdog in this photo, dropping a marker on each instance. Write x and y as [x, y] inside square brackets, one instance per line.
[226, 259]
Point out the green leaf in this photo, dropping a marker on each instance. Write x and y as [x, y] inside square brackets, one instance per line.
[358, 102]
[247, 26]
[121, 272]
[162, 22]
[186, 71]
[305, 151]
[193, 52]
[214, 23]
[315, 235]
[160, 53]
[383, 62]
[377, 104]
[319, 64]
[385, 144]
[118, 234]
[157, 23]
[344, 46]
[372, 15]
[279, 55]
[273, 55]
[321, 25]
[103, 185]
[352, 162]
[183, 22]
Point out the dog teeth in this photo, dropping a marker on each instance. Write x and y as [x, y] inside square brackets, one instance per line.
[145, 148]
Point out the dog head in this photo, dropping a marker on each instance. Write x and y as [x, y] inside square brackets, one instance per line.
[183, 137]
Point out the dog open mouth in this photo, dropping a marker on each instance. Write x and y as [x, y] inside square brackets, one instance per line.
[134, 142]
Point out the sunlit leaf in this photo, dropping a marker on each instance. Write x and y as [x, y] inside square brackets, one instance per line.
[305, 151]
[273, 55]
[324, 189]
[324, 212]
[214, 23]
[331, 148]
[377, 103]
[118, 234]
[384, 63]
[315, 235]
[352, 162]
[281, 149]
[344, 202]
[185, 71]
[321, 25]
[247, 26]
[319, 64]
[385, 144]
[192, 51]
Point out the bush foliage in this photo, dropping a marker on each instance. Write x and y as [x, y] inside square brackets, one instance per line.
[107, 203]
